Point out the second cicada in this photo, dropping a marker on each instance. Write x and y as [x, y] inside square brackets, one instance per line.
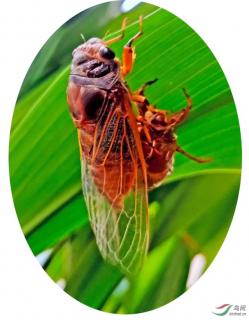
[123, 155]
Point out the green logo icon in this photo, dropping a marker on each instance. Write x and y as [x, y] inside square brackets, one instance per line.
[223, 309]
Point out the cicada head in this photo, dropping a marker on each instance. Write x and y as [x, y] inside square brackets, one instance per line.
[94, 61]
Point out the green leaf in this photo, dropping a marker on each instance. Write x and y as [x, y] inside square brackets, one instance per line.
[184, 206]
[87, 278]
[71, 216]
[162, 279]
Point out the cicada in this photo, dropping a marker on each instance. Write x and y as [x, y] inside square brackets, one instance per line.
[123, 153]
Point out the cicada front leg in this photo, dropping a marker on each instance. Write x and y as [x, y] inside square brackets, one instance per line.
[129, 52]
[120, 37]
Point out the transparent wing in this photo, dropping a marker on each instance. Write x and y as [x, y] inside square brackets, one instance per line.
[114, 187]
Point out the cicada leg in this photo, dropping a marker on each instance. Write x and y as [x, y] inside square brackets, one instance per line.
[188, 155]
[143, 128]
[129, 51]
[142, 102]
[181, 115]
[138, 96]
[141, 90]
[147, 140]
[120, 37]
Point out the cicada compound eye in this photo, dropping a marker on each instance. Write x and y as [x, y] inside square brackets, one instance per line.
[106, 53]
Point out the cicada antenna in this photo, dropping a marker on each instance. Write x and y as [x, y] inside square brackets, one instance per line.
[106, 34]
[82, 36]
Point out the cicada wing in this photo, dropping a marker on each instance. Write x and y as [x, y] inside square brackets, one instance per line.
[121, 234]
[121, 231]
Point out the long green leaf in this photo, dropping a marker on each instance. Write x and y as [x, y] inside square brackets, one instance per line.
[162, 279]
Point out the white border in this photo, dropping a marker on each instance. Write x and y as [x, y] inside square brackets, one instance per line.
[26, 292]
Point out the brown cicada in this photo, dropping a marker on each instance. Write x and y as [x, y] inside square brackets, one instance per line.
[123, 155]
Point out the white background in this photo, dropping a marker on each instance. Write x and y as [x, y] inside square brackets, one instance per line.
[26, 292]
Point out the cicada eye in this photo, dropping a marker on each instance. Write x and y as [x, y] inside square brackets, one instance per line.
[106, 53]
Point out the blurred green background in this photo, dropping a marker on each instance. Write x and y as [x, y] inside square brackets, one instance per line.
[190, 213]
